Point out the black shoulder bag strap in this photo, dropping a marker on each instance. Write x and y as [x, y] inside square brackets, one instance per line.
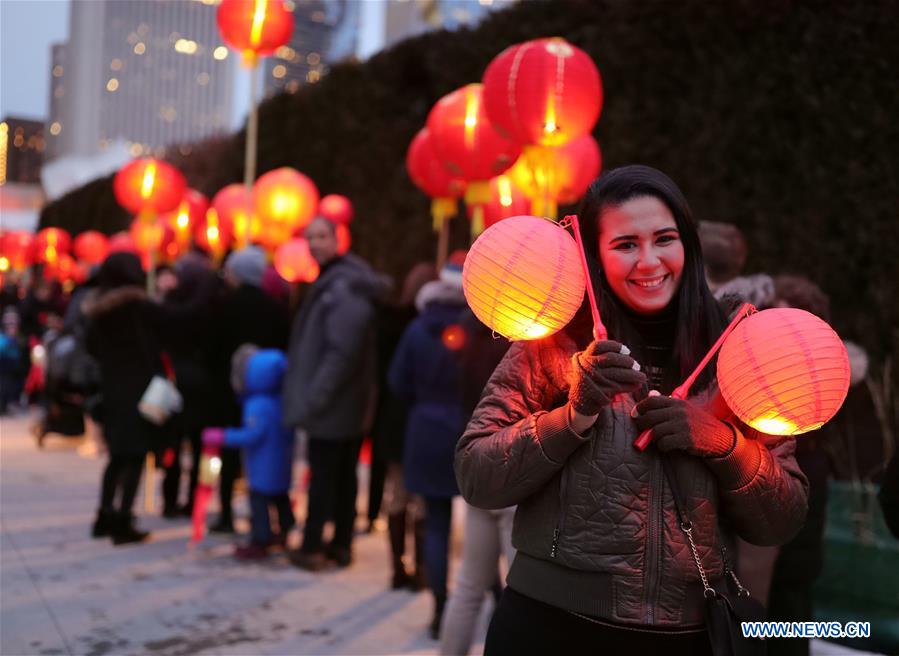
[725, 607]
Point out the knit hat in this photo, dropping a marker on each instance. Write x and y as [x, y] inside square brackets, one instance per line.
[452, 270]
[247, 265]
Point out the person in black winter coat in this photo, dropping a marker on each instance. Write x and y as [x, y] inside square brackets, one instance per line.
[242, 314]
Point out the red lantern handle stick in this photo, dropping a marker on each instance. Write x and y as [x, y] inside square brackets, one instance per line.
[682, 390]
[599, 329]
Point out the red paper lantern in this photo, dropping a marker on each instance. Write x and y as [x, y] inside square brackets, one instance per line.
[285, 201]
[213, 233]
[91, 247]
[506, 200]
[336, 208]
[121, 242]
[544, 91]
[183, 218]
[149, 186]
[430, 175]
[523, 278]
[469, 146]
[151, 236]
[294, 262]
[64, 269]
[235, 206]
[783, 371]
[255, 27]
[17, 249]
[344, 239]
[51, 243]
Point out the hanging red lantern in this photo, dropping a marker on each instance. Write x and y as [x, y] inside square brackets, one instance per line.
[91, 247]
[783, 371]
[151, 237]
[523, 278]
[285, 201]
[121, 242]
[469, 146]
[554, 176]
[506, 200]
[65, 269]
[294, 262]
[182, 219]
[545, 92]
[432, 177]
[235, 206]
[213, 233]
[336, 208]
[254, 27]
[148, 186]
[51, 243]
[16, 250]
[344, 239]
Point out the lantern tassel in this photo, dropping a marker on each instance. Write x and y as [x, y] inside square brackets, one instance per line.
[599, 329]
[683, 390]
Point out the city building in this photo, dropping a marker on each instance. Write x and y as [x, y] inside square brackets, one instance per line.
[55, 118]
[21, 150]
[149, 72]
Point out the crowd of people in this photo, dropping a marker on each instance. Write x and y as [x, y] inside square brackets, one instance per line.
[536, 438]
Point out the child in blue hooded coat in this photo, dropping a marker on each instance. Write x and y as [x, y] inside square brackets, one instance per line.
[267, 446]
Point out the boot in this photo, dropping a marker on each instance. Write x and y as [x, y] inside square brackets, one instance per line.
[396, 530]
[125, 532]
[439, 605]
[419, 579]
[103, 524]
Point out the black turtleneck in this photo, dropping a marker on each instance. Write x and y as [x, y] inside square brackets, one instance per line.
[656, 333]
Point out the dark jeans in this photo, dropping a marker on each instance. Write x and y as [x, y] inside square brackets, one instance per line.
[260, 520]
[230, 473]
[332, 492]
[522, 625]
[122, 475]
[438, 518]
[377, 475]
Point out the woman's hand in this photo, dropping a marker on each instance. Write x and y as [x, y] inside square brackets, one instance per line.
[599, 372]
[680, 425]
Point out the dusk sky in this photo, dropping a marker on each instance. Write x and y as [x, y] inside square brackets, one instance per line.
[27, 29]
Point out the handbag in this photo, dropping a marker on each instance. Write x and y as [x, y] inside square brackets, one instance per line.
[727, 603]
[161, 399]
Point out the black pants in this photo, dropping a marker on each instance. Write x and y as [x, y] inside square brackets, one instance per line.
[522, 625]
[230, 473]
[122, 475]
[332, 491]
[377, 475]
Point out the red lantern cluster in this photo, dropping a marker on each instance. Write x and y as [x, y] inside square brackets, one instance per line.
[506, 200]
[183, 218]
[51, 244]
[255, 27]
[149, 186]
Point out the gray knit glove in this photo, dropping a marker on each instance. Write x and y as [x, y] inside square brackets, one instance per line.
[680, 425]
[598, 373]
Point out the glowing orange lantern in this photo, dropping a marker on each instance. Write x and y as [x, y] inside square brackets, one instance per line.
[121, 242]
[432, 177]
[506, 200]
[545, 92]
[64, 269]
[553, 176]
[344, 239]
[469, 146]
[285, 202]
[214, 233]
[523, 278]
[336, 208]
[234, 205]
[254, 27]
[294, 262]
[51, 243]
[783, 371]
[91, 247]
[183, 218]
[148, 186]
[16, 250]
[151, 237]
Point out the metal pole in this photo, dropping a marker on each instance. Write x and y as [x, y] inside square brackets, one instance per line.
[249, 164]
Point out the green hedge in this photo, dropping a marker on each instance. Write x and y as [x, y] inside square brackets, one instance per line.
[777, 115]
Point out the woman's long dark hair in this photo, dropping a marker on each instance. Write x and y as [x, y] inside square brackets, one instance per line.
[699, 319]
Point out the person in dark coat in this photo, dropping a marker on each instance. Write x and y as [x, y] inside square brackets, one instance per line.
[388, 434]
[426, 374]
[243, 314]
[121, 338]
[330, 389]
[185, 333]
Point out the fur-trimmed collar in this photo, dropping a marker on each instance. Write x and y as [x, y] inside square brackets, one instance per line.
[99, 302]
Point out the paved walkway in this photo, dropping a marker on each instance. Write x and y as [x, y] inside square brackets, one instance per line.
[64, 593]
